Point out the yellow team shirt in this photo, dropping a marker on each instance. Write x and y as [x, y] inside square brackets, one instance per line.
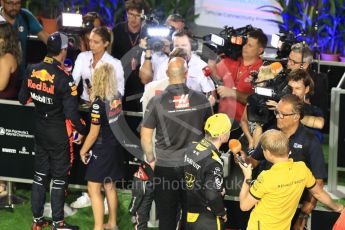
[279, 190]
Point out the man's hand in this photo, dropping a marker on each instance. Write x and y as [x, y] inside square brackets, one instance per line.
[247, 171]
[271, 105]
[212, 100]
[143, 43]
[300, 223]
[152, 165]
[79, 140]
[84, 156]
[225, 218]
[224, 91]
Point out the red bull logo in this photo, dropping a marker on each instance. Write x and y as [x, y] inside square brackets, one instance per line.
[42, 86]
[115, 104]
[43, 75]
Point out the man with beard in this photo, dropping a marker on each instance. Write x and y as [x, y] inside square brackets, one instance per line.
[24, 23]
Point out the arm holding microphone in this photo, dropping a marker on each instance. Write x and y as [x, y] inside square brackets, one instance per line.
[240, 156]
[246, 200]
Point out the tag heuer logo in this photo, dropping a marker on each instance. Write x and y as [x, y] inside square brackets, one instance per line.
[2, 131]
[181, 102]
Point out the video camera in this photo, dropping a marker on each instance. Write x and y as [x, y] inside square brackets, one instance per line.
[283, 42]
[274, 89]
[155, 32]
[229, 41]
[72, 25]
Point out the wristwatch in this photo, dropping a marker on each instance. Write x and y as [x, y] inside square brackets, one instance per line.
[303, 215]
[249, 182]
[148, 58]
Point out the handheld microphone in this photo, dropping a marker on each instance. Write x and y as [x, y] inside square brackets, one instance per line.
[235, 147]
[208, 73]
[88, 84]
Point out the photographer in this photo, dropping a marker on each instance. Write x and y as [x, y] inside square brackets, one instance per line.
[236, 75]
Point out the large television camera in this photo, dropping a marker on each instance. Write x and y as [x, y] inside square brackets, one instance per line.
[283, 42]
[155, 32]
[273, 89]
[229, 41]
[72, 25]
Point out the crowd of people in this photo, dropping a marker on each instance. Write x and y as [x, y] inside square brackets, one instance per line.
[183, 126]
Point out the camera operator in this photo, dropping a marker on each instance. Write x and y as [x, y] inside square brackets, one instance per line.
[195, 79]
[253, 129]
[295, 61]
[236, 75]
[303, 144]
[151, 59]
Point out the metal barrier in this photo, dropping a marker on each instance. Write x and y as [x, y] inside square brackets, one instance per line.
[336, 161]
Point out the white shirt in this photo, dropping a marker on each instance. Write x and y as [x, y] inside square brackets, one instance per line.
[152, 89]
[157, 58]
[83, 70]
[196, 79]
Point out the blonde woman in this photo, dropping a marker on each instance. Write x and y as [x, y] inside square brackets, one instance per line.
[99, 150]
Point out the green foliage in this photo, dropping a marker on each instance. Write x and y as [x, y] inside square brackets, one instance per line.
[183, 7]
[332, 29]
[324, 28]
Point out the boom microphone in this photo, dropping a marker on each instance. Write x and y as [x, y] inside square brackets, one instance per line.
[208, 73]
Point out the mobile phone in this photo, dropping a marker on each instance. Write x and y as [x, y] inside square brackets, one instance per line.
[242, 162]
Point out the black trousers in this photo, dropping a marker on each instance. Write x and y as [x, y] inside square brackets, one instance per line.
[51, 162]
[204, 221]
[169, 196]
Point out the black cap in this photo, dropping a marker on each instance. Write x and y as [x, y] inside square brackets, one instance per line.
[57, 41]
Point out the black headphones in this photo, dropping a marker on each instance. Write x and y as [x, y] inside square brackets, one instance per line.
[302, 61]
[193, 43]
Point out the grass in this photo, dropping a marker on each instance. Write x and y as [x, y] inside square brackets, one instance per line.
[21, 217]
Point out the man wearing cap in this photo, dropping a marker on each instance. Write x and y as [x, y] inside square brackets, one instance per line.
[203, 176]
[178, 115]
[56, 105]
